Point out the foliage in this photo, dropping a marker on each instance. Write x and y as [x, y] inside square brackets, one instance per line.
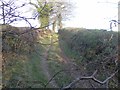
[18, 51]
[23, 70]
[93, 49]
[44, 11]
[13, 41]
[51, 12]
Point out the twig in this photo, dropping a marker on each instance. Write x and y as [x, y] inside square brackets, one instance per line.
[18, 83]
[110, 38]
[53, 77]
[87, 78]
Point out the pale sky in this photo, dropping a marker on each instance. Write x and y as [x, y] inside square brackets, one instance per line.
[93, 14]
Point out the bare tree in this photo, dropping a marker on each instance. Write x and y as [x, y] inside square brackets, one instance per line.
[61, 11]
[11, 12]
[52, 12]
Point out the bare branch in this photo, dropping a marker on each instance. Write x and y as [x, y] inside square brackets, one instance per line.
[87, 78]
[33, 29]
[103, 82]
[53, 77]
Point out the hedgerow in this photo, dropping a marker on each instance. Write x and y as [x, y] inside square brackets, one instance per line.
[96, 49]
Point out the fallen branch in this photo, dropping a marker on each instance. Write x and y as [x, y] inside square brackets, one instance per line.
[103, 82]
[87, 78]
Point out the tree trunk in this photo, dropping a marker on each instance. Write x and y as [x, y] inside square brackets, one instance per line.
[54, 25]
[3, 13]
[60, 21]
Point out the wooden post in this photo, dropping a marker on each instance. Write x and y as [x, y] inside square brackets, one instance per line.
[119, 16]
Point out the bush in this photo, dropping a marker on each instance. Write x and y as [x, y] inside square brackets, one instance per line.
[14, 41]
[97, 49]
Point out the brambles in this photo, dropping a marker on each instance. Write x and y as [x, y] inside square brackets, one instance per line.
[14, 41]
[91, 50]
[15, 51]
[95, 49]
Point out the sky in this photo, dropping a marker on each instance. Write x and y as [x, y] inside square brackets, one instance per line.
[94, 14]
[91, 14]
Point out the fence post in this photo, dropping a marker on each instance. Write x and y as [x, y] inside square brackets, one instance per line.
[0, 56]
[118, 15]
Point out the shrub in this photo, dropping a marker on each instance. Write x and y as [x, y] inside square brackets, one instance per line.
[97, 49]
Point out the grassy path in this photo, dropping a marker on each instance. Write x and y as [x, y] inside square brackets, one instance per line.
[44, 60]
[37, 67]
[40, 66]
[44, 65]
[56, 63]
[34, 71]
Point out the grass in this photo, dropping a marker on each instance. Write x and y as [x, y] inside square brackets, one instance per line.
[14, 68]
[27, 69]
[56, 64]
[34, 71]
[70, 53]
[24, 67]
